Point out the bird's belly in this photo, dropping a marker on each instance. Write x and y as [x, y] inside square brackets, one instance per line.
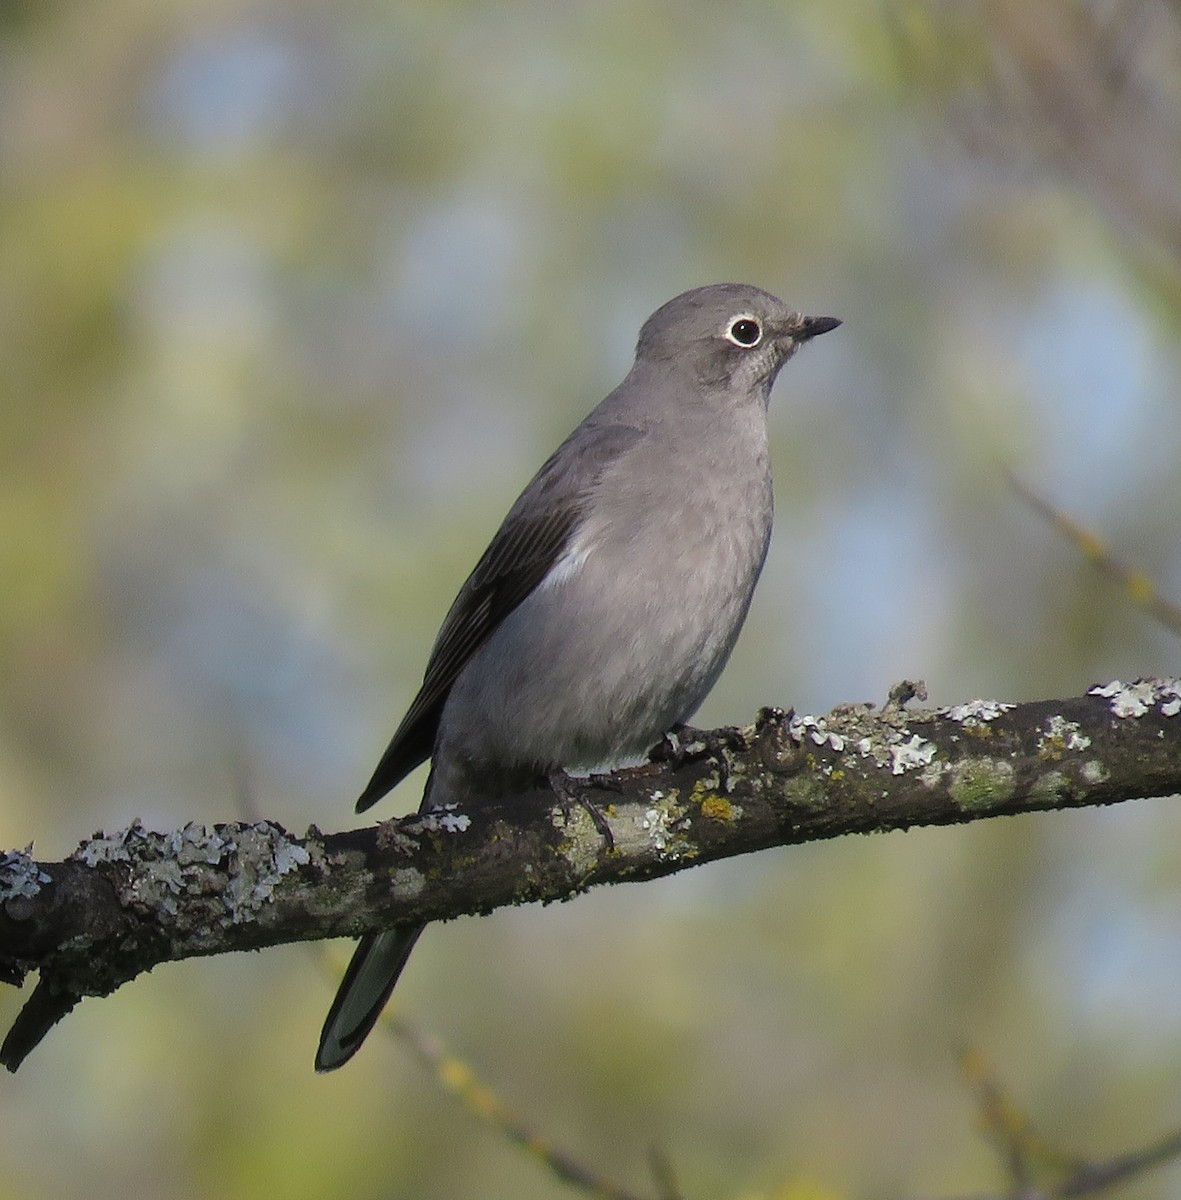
[595, 665]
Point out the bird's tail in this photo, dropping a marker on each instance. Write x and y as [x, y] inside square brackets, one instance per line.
[367, 984]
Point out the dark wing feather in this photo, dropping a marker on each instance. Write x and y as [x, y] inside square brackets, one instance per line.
[532, 539]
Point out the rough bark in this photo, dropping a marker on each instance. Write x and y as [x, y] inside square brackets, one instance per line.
[125, 901]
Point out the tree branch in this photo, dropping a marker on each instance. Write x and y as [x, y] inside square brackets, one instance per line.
[125, 901]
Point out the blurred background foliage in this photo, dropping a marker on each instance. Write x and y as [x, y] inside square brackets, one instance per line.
[293, 299]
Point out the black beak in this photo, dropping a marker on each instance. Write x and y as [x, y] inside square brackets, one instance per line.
[811, 327]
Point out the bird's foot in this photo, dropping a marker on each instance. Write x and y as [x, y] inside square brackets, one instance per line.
[683, 742]
[679, 744]
[563, 787]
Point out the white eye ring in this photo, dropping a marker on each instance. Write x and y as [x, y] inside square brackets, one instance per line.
[745, 331]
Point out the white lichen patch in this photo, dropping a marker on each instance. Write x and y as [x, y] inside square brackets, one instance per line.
[663, 824]
[911, 755]
[199, 844]
[900, 750]
[20, 875]
[112, 845]
[655, 822]
[1136, 698]
[892, 743]
[1060, 735]
[444, 819]
[264, 854]
[242, 863]
[816, 730]
[289, 856]
[975, 712]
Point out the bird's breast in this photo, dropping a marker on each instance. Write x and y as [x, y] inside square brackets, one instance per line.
[633, 624]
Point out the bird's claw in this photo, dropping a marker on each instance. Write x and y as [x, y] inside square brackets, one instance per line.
[562, 786]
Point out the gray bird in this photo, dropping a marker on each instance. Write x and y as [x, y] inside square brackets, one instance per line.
[610, 598]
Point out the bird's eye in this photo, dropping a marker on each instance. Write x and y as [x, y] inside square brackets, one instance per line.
[745, 331]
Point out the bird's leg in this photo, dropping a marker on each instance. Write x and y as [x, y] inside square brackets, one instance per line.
[563, 788]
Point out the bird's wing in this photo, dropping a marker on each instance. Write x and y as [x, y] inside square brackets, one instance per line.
[531, 540]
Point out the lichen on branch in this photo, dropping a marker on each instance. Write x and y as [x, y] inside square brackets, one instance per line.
[125, 901]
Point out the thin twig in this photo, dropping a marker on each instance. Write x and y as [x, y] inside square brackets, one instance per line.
[458, 1077]
[1063, 1176]
[1137, 585]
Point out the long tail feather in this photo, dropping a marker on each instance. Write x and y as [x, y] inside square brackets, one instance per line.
[367, 984]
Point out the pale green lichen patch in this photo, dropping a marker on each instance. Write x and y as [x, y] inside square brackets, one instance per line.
[1094, 772]
[1049, 787]
[406, 883]
[391, 835]
[806, 791]
[1061, 736]
[581, 841]
[981, 783]
[660, 823]
[932, 776]
[1136, 698]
